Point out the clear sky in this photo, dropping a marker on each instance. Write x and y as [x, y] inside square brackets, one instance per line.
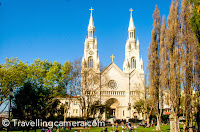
[56, 29]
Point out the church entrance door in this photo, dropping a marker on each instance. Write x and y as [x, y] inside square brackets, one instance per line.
[112, 113]
[112, 104]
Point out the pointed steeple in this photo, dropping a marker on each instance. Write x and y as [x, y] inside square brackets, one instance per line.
[91, 27]
[131, 28]
[91, 22]
[132, 49]
[131, 23]
[90, 57]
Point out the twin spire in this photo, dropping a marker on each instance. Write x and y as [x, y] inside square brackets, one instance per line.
[91, 26]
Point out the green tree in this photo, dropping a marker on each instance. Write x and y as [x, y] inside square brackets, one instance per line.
[195, 19]
[195, 24]
[25, 102]
[32, 102]
[53, 76]
[139, 106]
[43, 76]
[12, 75]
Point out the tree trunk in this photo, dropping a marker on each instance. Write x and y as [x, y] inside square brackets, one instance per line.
[198, 89]
[191, 123]
[197, 120]
[176, 123]
[82, 112]
[145, 116]
[158, 123]
[148, 121]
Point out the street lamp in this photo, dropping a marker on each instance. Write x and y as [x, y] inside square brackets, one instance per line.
[11, 93]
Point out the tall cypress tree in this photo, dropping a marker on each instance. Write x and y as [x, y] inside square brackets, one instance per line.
[154, 71]
[195, 24]
[190, 46]
[174, 63]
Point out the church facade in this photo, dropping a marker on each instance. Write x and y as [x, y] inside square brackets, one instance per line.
[114, 87]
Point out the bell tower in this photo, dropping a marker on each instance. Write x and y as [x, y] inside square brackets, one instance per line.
[91, 58]
[132, 50]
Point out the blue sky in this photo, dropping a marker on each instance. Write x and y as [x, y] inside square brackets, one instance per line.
[56, 29]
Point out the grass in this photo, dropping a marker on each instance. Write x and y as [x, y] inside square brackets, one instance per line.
[99, 129]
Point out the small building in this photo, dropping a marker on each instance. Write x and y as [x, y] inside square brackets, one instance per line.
[72, 106]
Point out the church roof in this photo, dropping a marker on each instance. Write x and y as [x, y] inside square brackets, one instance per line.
[110, 66]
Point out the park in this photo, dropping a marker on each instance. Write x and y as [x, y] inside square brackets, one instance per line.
[142, 74]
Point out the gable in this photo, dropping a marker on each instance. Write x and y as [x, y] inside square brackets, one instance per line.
[113, 68]
[113, 73]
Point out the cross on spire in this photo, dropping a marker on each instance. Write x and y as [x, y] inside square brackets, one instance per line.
[112, 57]
[131, 10]
[91, 10]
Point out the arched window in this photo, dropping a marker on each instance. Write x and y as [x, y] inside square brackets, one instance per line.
[91, 34]
[131, 34]
[90, 62]
[133, 63]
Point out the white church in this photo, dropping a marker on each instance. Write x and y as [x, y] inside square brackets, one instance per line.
[117, 88]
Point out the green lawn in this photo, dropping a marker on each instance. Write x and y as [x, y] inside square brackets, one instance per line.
[96, 129]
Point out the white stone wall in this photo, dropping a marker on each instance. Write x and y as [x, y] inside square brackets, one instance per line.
[72, 106]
